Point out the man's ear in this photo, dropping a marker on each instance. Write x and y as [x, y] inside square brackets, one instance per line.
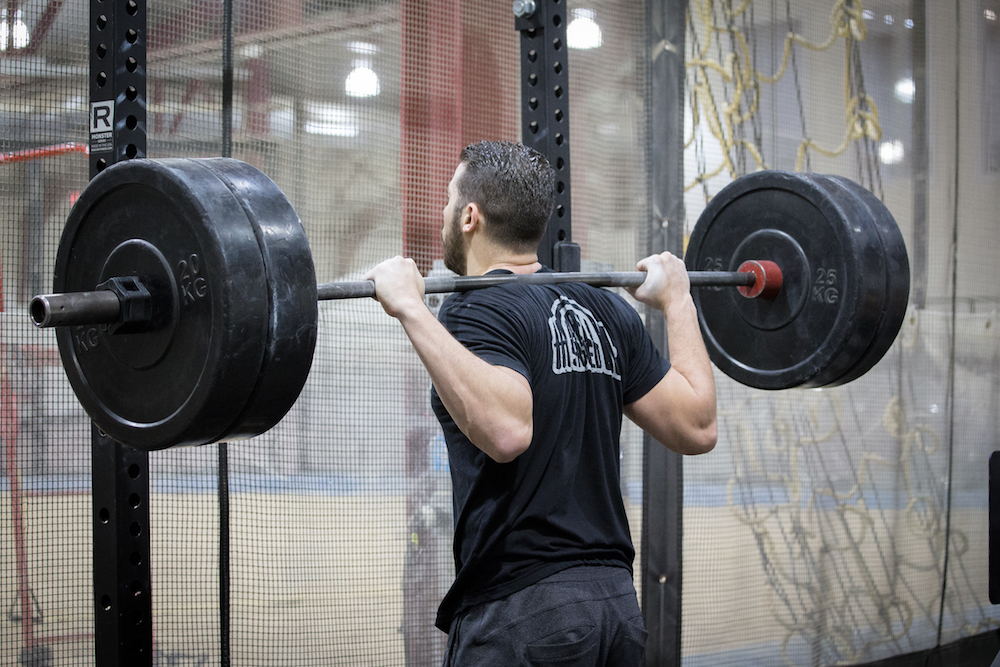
[472, 217]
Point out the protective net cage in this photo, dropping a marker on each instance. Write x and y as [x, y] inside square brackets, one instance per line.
[853, 520]
[836, 526]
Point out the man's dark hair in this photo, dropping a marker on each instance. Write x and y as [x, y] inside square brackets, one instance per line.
[514, 186]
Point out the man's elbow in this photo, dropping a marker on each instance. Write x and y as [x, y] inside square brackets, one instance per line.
[508, 443]
[702, 430]
[694, 440]
[704, 439]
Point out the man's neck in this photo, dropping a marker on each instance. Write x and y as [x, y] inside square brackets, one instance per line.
[532, 267]
[478, 264]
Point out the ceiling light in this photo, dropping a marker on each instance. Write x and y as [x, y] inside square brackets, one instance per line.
[583, 31]
[905, 90]
[362, 81]
[20, 31]
[891, 152]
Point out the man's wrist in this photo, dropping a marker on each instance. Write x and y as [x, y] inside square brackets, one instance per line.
[413, 311]
[679, 306]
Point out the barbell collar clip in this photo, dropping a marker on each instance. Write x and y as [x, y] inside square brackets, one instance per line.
[767, 279]
[135, 304]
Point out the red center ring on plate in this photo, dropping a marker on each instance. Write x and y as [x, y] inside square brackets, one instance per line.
[767, 281]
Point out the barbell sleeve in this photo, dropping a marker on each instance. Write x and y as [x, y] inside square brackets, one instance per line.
[61, 310]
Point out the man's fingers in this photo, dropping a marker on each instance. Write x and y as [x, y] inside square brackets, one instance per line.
[666, 279]
[398, 284]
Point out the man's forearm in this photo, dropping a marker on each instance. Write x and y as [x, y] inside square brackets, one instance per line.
[687, 349]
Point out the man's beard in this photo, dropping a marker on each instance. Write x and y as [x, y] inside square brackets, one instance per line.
[454, 247]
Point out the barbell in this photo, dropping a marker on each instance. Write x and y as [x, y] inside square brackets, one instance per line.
[186, 311]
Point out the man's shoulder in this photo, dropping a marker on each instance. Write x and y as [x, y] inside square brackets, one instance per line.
[516, 297]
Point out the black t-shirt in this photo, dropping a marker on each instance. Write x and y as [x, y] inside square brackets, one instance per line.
[585, 354]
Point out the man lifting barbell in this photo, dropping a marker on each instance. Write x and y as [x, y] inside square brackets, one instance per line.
[530, 385]
[186, 311]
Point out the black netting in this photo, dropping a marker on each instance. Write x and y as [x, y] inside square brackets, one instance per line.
[45, 521]
[842, 516]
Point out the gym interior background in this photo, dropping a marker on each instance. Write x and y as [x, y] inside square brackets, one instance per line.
[840, 526]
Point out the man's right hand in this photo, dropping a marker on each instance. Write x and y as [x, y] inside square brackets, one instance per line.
[680, 410]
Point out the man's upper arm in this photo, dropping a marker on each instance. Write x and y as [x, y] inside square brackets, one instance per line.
[674, 415]
[494, 407]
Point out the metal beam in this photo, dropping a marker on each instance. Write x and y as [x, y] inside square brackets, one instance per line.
[545, 116]
[663, 473]
[921, 153]
[123, 623]
[431, 138]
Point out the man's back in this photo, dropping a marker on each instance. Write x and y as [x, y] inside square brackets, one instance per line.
[585, 353]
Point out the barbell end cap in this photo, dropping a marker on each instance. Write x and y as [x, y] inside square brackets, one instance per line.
[767, 279]
[40, 311]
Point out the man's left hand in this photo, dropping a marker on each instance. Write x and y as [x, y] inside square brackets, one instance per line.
[399, 287]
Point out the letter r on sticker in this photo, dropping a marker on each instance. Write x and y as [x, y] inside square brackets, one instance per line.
[101, 116]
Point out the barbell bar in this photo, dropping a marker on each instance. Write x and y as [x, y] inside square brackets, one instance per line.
[106, 306]
[185, 296]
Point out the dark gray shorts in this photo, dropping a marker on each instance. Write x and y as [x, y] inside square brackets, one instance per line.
[583, 616]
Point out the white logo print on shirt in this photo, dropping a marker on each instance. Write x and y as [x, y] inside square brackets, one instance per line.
[580, 342]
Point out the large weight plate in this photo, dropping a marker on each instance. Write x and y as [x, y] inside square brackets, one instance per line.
[291, 292]
[193, 378]
[871, 272]
[897, 278]
[831, 300]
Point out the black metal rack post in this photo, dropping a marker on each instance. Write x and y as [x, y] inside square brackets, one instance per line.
[123, 626]
[545, 115]
[663, 472]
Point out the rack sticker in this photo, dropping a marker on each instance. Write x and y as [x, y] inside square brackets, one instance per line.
[102, 123]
